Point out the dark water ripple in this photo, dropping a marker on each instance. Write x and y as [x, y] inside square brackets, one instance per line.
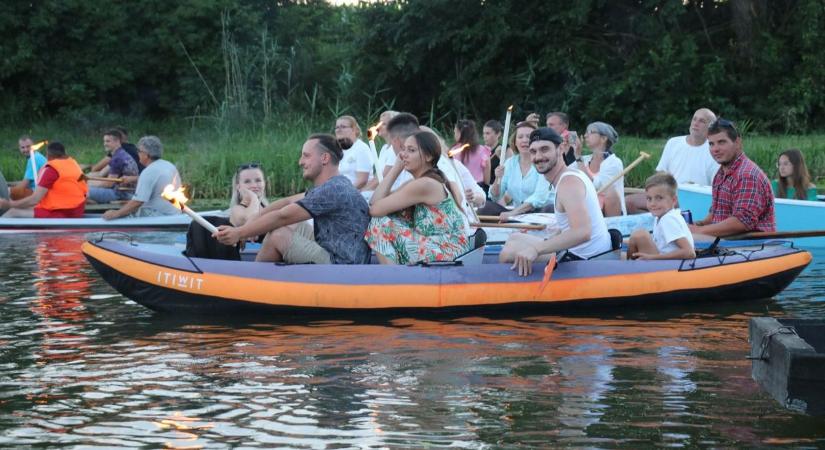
[82, 367]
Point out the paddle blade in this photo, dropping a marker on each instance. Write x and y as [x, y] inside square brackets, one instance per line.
[548, 273]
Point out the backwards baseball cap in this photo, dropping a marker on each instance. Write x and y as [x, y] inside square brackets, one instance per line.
[545, 134]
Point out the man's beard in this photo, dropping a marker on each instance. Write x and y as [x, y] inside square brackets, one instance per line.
[546, 164]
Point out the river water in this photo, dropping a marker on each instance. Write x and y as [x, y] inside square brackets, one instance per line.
[83, 367]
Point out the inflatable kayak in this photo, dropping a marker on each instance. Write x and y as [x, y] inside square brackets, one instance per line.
[160, 277]
[92, 222]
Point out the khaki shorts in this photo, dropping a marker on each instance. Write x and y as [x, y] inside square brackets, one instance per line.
[303, 248]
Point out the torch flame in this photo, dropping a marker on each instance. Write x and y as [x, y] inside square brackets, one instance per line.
[373, 131]
[454, 152]
[510, 108]
[176, 196]
[39, 145]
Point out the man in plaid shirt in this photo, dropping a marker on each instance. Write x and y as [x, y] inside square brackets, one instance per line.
[742, 195]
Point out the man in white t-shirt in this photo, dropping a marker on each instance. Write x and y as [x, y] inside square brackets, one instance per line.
[687, 158]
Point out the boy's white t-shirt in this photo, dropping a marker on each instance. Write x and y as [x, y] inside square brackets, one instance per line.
[668, 229]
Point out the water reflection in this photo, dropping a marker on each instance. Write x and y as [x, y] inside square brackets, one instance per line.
[80, 365]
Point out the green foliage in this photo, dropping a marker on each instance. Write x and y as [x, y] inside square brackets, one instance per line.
[642, 66]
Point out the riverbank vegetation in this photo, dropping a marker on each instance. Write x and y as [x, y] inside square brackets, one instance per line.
[208, 158]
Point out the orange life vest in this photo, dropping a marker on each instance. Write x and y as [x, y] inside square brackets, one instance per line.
[66, 192]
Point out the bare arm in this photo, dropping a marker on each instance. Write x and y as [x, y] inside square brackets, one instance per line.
[727, 227]
[263, 224]
[130, 207]
[30, 201]
[98, 166]
[423, 190]
[570, 201]
[281, 203]
[385, 185]
[685, 251]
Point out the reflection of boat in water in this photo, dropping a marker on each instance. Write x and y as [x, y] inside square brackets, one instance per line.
[161, 278]
[791, 215]
[91, 222]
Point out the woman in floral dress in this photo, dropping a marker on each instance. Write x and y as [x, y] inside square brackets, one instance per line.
[421, 221]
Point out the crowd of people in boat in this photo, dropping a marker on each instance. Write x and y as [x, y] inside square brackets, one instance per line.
[415, 200]
[56, 186]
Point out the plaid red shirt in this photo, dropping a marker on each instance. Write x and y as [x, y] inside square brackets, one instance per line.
[742, 190]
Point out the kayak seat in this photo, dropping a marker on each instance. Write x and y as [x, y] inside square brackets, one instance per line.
[475, 255]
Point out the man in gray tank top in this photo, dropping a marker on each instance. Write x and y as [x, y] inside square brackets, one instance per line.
[583, 231]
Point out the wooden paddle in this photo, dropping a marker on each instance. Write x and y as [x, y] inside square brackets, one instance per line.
[518, 226]
[84, 177]
[642, 156]
[776, 235]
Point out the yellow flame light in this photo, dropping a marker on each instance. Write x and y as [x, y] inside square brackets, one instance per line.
[452, 153]
[176, 196]
[39, 145]
[373, 131]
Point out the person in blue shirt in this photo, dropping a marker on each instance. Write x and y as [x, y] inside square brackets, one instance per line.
[25, 187]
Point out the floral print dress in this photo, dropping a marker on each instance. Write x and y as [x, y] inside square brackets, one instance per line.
[433, 233]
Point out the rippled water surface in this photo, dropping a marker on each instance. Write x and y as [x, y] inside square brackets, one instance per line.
[83, 367]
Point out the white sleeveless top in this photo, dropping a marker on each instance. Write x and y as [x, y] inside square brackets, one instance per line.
[599, 237]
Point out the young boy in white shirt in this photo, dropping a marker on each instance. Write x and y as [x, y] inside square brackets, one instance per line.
[671, 237]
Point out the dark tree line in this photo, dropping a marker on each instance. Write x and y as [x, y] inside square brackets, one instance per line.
[643, 65]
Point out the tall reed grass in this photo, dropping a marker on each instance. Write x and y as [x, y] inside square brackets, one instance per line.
[208, 157]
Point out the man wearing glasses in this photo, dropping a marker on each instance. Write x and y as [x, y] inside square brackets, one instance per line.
[742, 195]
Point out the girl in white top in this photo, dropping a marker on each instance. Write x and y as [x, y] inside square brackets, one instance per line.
[356, 164]
[602, 166]
[671, 237]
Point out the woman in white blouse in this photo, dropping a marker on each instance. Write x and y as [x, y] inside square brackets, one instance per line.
[602, 166]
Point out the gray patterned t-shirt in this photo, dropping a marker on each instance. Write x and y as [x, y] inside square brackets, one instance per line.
[341, 216]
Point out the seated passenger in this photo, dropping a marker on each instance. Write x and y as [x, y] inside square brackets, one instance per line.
[25, 187]
[492, 139]
[339, 212]
[602, 166]
[583, 232]
[356, 164]
[60, 193]
[671, 237]
[475, 157]
[121, 166]
[158, 173]
[742, 199]
[421, 221]
[518, 184]
[248, 194]
[794, 180]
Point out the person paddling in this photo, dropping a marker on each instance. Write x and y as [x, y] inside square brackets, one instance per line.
[60, 193]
